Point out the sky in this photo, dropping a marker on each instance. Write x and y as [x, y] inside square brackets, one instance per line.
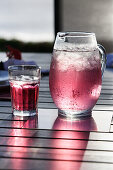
[27, 20]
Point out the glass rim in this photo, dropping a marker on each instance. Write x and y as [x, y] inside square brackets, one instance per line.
[22, 67]
[75, 34]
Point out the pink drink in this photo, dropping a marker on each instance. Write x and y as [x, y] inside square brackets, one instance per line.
[75, 79]
[24, 95]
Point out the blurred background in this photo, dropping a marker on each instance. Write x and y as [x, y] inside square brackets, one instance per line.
[27, 24]
[31, 25]
[90, 16]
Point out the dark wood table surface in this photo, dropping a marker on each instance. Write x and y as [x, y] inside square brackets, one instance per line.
[46, 142]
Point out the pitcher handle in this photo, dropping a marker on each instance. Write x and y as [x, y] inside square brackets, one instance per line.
[102, 52]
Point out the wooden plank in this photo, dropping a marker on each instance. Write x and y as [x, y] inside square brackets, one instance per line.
[32, 151]
[56, 134]
[5, 103]
[50, 164]
[5, 110]
[5, 116]
[105, 102]
[106, 97]
[48, 119]
[101, 107]
[111, 128]
[56, 143]
[109, 86]
[107, 91]
[58, 155]
[95, 166]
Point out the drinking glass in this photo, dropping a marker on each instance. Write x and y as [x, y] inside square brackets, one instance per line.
[24, 88]
[76, 72]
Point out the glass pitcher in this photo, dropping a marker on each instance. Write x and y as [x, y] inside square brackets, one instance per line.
[76, 72]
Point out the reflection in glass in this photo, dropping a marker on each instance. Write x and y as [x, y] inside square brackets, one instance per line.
[72, 144]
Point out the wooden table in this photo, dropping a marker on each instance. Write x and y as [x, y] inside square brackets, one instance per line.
[46, 142]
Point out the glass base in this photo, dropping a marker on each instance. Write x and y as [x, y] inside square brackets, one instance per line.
[24, 113]
[70, 114]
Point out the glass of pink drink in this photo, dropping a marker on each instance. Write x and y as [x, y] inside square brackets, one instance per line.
[24, 87]
[76, 73]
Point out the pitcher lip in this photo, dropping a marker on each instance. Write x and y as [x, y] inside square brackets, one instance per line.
[75, 34]
[75, 41]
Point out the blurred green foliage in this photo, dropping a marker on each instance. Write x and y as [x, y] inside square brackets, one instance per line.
[26, 46]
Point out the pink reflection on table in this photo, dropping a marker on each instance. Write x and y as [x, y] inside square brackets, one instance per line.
[21, 139]
[72, 139]
[25, 122]
[86, 124]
